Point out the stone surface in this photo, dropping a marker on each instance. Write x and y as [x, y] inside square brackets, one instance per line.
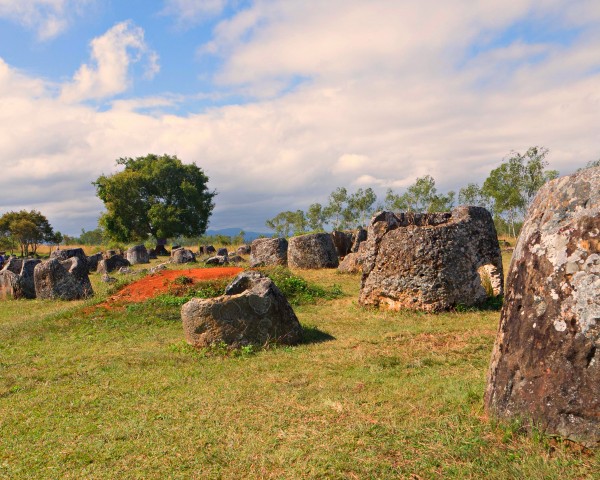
[13, 265]
[152, 254]
[315, 250]
[342, 242]
[545, 366]
[79, 270]
[53, 281]
[137, 254]
[92, 261]
[182, 255]
[244, 250]
[26, 280]
[161, 251]
[9, 285]
[350, 264]
[158, 268]
[222, 252]
[358, 238]
[268, 252]
[69, 253]
[216, 260]
[253, 311]
[430, 261]
[110, 253]
[111, 264]
[235, 259]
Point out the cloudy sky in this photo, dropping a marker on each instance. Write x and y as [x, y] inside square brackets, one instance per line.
[282, 101]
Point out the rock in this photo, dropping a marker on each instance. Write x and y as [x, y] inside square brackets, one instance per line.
[235, 259]
[222, 252]
[358, 238]
[268, 251]
[161, 251]
[158, 268]
[13, 265]
[175, 247]
[92, 261]
[70, 253]
[216, 260]
[53, 281]
[350, 264]
[545, 366]
[137, 254]
[79, 270]
[430, 261]
[315, 250]
[125, 270]
[152, 254]
[342, 242]
[9, 285]
[111, 264]
[208, 249]
[105, 278]
[26, 279]
[110, 253]
[182, 255]
[244, 250]
[254, 312]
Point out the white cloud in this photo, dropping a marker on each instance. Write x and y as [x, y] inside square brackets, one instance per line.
[393, 91]
[112, 55]
[48, 18]
[189, 12]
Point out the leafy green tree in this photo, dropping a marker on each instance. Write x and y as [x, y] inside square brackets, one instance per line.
[27, 229]
[334, 211]
[288, 222]
[359, 207]
[155, 195]
[513, 185]
[420, 197]
[315, 217]
[92, 237]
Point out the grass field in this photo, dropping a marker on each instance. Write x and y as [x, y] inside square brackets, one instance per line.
[92, 393]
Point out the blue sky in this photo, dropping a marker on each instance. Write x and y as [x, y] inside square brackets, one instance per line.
[280, 102]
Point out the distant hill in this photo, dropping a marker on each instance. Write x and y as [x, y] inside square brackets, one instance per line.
[231, 232]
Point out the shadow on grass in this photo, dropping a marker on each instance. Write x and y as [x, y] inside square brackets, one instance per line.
[314, 335]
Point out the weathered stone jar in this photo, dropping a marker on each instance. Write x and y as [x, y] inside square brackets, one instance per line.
[430, 261]
[545, 366]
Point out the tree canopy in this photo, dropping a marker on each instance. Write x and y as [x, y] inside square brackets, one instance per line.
[155, 195]
[25, 228]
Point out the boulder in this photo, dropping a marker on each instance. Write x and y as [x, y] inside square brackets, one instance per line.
[244, 250]
[70, 253]
[137, 254]
[158, 268]
[161, 251]
[110, 253]
[342, 242]
[26, 279]
[430, 261]
[9, 285]
[222, 252]
[315, 250]
[208, 249]
[182, 255]
[217, 260]
[92, 261]
[53, 281]
[108, 279]
[268, 252]
[350, 264]
[79, 270]
[235, 259]
[14, 265]
[152, 254]
[358, 237]
[111, 264]
[252, 312]
[545, 365]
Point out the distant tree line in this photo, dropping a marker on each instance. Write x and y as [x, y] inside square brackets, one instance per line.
[24, 231]
[506, 193]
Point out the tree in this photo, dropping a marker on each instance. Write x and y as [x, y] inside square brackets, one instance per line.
[315, 217]
[27, 229]
[155, 195]
[513, 185]
[288, 222]
[420, 197]
[360, 207]
[334, 211]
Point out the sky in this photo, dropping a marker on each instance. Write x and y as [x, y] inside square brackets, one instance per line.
[282, 101]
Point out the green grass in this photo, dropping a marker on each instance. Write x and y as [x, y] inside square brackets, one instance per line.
[92, 393]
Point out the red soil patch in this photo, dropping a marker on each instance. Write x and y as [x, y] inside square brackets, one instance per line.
[157, 283]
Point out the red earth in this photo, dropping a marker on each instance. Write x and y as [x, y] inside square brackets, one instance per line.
[157, 283]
